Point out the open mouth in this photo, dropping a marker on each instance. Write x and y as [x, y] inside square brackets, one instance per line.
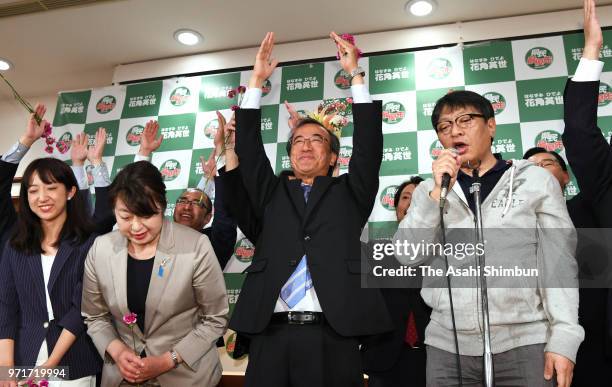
[461, 147]
[186, 216]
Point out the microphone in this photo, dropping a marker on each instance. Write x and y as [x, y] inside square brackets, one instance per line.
[446, 178]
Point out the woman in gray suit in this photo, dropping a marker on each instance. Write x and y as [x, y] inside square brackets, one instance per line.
[165, 273]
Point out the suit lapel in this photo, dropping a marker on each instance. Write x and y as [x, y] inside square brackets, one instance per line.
[297, 195]
[162, 270]
[320, 186]
[38, 279]
[119, 273]
[63, 253]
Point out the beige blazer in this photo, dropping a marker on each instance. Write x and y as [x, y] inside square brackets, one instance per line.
[186, 308]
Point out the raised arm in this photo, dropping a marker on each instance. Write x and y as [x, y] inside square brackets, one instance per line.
[103, 217]
[367, 138]
[587, 150]
[257, 174]
[8, 168]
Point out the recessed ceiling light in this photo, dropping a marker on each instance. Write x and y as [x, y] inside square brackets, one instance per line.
[420, 7]
[187, 37]
[5, 64]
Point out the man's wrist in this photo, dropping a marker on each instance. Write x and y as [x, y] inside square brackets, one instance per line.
[256, 83]
[26, 141]
[78, 163]
[144, 152]
[590, 52]
[357, 80]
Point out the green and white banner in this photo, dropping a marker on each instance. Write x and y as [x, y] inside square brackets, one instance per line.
[524, 80]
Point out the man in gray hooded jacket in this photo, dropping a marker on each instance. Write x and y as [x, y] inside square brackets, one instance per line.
[534, 326]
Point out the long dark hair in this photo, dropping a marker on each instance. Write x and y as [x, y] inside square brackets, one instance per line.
[28, 234]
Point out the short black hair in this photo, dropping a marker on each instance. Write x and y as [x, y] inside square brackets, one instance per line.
[334, 142]
[461, 99]
[537, 150]
[416, 180]
[142, 189]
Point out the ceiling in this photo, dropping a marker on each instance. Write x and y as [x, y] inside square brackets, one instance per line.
[78, 47]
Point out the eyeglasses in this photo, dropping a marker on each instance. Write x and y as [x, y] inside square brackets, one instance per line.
[186, 202]
[547, 163]
[464, 121]
[315, 139]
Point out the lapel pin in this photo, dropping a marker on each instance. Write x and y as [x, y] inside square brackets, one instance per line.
[160, 272]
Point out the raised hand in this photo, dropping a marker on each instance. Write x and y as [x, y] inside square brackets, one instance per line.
[209, 167]
[95, 152]
[34, 130]
[264, 64]
[78, 150]
[149, 140]
[349, 54]
[294, 116]
[220, 135]
[593, 37]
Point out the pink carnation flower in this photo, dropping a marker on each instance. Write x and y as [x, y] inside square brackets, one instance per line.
[130, 319]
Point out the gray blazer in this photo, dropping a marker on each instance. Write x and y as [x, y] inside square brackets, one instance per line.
[186, 308]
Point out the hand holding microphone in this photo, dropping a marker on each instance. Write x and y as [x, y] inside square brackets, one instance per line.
[445, 169]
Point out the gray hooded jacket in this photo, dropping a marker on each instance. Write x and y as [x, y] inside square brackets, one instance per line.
[528, 200]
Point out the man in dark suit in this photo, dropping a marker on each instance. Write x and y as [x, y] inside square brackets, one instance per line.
[590, 157]
[301, 303]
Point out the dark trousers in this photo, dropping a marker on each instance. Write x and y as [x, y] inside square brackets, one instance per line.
[518, 367]
[408, 371]
[308, 355]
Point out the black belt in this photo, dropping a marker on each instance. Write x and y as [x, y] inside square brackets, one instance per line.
[299, 318]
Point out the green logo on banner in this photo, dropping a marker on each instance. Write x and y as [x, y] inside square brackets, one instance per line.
[266, 88]
[106, 104]
[345, 157]
[497, 101]
[179, 96]
[488, 62]
[439, 68]
[170, 169]
[605, 94]
[541, 99]
[133, 135]
[539, 58]
[391, 73]
[63, 142]
[244, 250]
[399, 154]
[393, 112]
[387, 196]
[211, 127]
[435, 149]
[342, 80]
[549, 140]
[302, 82]
[508, 141]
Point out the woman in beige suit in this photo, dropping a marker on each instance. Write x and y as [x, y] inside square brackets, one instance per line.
[165, 273]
